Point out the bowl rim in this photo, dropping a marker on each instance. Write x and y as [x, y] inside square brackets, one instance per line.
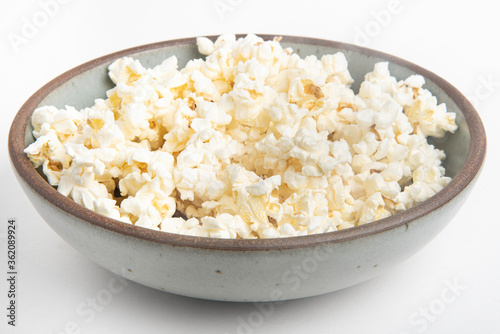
[26, 171]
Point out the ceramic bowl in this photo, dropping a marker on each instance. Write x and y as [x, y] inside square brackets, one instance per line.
[249, 270]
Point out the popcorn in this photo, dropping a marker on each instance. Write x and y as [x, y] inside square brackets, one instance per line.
[253, 198]
[306, 211]
[251, 142]
[205, 46]
[49, 152]
[107, 207]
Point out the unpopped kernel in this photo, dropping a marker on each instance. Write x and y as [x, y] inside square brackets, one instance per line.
[251, 142]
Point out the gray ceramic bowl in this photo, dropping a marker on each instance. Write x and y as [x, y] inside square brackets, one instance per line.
[249, 270]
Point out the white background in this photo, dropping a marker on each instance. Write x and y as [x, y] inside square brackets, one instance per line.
[458, 42]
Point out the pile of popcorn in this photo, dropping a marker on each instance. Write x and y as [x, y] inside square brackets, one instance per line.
[251, 142]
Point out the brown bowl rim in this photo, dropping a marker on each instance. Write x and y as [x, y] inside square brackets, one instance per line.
[467, 173]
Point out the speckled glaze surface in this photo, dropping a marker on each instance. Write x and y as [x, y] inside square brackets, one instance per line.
[249, 270]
